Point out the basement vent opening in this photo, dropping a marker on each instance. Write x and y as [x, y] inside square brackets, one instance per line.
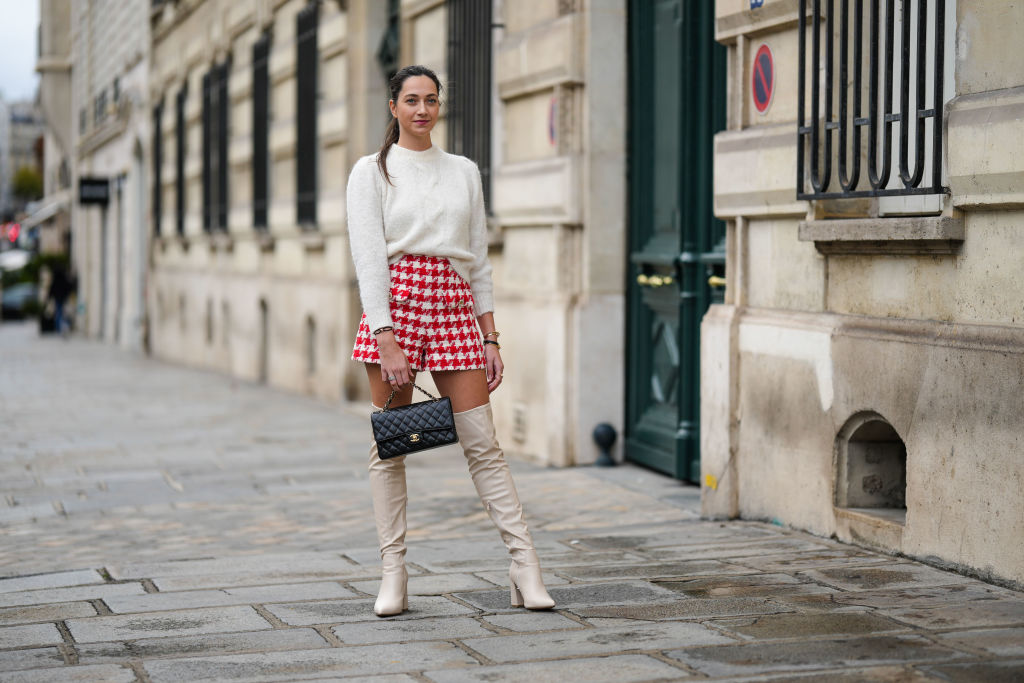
[872, 469]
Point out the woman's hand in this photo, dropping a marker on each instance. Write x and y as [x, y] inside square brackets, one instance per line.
[394, 366]
[494, 367]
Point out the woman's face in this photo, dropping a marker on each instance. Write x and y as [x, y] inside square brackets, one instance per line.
[417, 107]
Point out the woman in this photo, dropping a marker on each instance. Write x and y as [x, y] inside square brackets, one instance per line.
[418, 233]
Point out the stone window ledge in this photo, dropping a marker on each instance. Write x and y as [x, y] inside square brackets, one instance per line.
[313, 241]
[902, 235]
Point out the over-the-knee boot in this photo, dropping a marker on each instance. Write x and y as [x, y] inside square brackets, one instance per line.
[387, 484]
[497, 491]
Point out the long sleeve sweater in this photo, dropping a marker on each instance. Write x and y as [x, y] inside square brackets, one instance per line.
[434, 206]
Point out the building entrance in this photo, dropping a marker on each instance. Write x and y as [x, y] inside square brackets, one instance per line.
[677, 104]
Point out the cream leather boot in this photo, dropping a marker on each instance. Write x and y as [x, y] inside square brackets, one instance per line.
[497, 491]
[387, 484]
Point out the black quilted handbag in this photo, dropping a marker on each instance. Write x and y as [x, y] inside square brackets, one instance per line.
[415, 427]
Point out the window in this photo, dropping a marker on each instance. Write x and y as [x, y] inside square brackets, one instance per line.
[158, 163]
[307, 62]
[469, 96]
[215, 147]
[905, 44]
[260, 129]
[83, 120]
[179, 179]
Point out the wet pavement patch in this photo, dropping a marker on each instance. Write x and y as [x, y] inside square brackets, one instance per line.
[891, 576]
[734, 660]
[800, 625]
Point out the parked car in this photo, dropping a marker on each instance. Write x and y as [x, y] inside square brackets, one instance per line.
[20, 300]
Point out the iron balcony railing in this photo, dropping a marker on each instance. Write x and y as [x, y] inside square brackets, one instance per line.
[921, 58]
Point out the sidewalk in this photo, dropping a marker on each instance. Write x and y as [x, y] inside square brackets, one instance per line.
[163, 524]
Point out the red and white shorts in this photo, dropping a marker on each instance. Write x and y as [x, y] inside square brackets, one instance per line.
[432, 314]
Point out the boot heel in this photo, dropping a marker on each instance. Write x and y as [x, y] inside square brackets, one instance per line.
[516, 596]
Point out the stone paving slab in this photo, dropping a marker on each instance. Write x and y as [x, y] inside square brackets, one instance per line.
[986, 672]
[972, 614]
[578, 595]
[389, 631]
[247, 579]
[310, 664]
[888, 577]
[34, 658]
[646, 637]
[692, 608]
[773, 626]
[33, 634]
[206, 644]
[36, 613]
[100, 673]
[761, 657]
[179, 623]
[340, 611]
[54, 580]
[650, 571]
[56, 595]
[430, 584]
[1002, 642]
[931, 596]
[532, 621]
[153, 602]
[615, 669]
[789, 562]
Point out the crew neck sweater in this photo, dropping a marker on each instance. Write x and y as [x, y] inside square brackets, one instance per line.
[434, 206]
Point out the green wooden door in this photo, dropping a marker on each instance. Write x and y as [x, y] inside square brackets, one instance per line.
[677, 103]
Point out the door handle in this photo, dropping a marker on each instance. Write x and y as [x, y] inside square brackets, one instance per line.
[715, 281]
[653, 281]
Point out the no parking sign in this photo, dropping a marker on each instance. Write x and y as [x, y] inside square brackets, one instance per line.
[762, 81]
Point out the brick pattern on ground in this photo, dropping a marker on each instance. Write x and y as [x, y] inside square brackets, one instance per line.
[163, 524]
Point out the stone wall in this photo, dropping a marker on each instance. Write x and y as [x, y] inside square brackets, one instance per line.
[909, 320]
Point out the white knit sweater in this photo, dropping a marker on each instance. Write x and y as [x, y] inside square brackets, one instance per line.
[435, 207]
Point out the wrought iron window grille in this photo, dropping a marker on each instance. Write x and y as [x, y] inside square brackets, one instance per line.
[469, 86]
[307, 77]
[260, 130]
[922, 35]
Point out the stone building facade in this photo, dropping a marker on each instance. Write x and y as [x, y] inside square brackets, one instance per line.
[52, 219]
[863, 377]
[110, 133]
[259, 109]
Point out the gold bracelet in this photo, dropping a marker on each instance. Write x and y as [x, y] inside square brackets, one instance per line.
[494, 334]
[493, 343]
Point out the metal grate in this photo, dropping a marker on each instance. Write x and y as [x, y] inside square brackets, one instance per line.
[871, 25]
[307, 63]
[179, 161]
[469, 86]
[158, 163]
[260, 129]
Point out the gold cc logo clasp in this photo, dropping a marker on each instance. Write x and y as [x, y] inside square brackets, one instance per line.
[414, 438]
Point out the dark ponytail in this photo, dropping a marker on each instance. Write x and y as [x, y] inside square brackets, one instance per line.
[391, 132]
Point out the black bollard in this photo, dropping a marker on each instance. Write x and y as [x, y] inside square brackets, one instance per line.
[604, 436]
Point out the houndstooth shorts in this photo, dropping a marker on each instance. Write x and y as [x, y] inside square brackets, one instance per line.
[432, 314]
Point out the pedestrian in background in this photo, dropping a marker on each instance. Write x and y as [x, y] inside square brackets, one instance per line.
[418, 233]
[60, 289]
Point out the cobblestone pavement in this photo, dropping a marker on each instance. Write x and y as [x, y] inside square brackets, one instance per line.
[165, 524]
